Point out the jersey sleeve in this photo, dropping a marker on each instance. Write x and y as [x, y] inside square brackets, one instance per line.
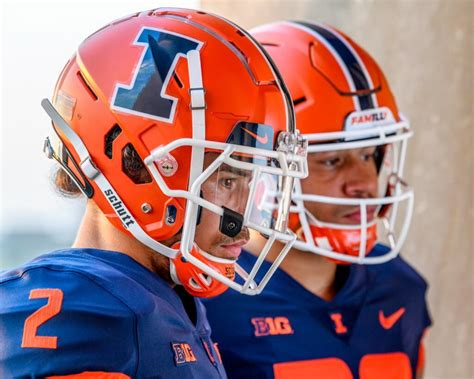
[411, 289]
[416, 291]
[59, 322]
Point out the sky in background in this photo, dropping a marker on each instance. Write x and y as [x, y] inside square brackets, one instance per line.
[37, 39]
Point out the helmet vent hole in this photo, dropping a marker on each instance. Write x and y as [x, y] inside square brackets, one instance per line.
[299, 100]
[239, 51]
[110, 138]
[87, 87]
[269, 44]
[133, 166]
[240, 33]
[177, 80]
[194, 284]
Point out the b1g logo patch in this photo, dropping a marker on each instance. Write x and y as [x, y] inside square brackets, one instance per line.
[271, 326]
[146, 94]
[182, 353]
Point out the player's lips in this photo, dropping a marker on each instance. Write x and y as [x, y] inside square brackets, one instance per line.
[355, 216]
[234, 249]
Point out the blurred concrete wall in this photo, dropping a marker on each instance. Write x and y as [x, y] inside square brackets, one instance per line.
[426, 51]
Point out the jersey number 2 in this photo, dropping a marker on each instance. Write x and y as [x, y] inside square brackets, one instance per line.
[38, 318]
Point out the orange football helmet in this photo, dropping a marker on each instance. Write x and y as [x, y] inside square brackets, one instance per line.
[175, 84]
[343, 101]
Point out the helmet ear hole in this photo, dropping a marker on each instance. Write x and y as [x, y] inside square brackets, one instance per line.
[133, 166]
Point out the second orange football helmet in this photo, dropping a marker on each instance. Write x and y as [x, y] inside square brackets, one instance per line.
[343, 101]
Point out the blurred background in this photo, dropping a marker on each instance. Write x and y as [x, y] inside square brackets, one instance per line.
[425, 48]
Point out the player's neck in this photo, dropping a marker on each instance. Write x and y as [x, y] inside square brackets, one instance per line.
[312, 271]
[97, 232]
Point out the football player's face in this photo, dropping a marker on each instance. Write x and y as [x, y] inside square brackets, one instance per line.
[227, 187]
[345, 174]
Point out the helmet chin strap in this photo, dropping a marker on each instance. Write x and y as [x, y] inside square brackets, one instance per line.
[197, 282]
[184, 273]
[340, 240]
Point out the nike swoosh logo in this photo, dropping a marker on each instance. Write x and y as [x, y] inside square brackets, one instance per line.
[388, 322]
[263, 140]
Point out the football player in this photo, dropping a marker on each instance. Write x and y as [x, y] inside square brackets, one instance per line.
[171, 122]
[342, 304]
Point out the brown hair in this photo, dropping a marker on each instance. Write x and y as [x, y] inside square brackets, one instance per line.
[132, 166]
[65, 185]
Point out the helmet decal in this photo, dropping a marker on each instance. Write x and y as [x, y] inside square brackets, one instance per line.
[252, 135]
[161, 52]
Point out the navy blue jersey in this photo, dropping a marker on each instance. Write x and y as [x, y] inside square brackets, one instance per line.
[371, 329]
[86, 310]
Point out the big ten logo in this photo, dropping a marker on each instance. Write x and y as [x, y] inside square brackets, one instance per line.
[183, 353]
[271, 326]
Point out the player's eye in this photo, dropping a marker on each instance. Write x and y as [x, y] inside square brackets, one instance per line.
[330, 162]
[368, 154]
[228, 183]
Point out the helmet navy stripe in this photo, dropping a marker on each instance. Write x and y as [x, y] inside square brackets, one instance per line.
[353, 67]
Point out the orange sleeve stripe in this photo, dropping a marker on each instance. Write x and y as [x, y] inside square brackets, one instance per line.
[385, 365]
[421, 353]
[421, 358]
[92, 375]
[313, 368]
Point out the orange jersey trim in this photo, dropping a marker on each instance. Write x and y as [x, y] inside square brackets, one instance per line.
[92, 375]
[387, 366]
[420, 366]
[327, 368]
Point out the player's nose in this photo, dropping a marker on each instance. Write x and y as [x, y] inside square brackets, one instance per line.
[360, 179]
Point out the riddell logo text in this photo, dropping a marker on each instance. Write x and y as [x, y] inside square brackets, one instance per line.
[374, 117]
[119, 208]
[271, 326]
